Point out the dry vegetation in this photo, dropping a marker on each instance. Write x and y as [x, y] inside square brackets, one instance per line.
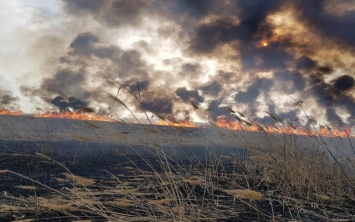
[283, 183]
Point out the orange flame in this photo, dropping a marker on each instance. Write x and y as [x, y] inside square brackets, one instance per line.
[184, 123]
[262, 44]
[300, 130]
[7, 112]
[221, 122]
[75, 115]
[62, 115]
[266, 42]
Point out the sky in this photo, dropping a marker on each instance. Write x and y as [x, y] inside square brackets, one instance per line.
[251, 56]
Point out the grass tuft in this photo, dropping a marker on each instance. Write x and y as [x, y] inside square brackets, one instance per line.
[245, 194]
[275, 178]
[78, 180]
[26, 187]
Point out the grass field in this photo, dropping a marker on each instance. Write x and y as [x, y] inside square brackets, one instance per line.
[277, 178]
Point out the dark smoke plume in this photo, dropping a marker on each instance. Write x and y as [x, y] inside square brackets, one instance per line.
[8, 101]
[64, 104]
[253, 91]
[344, 82]
[213, 88]
[158, 105]
[333, 26]
[216, 109]
[189, 95]
[223, 53]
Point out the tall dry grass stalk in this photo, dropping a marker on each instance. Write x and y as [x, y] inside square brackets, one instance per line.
[276, 183]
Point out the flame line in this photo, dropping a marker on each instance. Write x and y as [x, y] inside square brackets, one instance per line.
[221, 123]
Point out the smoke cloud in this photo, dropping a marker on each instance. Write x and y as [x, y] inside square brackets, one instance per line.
[252, 56]
[189, 95]
[344, 82]
[8, 100]
[64, 104]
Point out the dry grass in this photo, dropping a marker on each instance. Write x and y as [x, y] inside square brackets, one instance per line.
[81, 221]
[25, 220]
[122, 203]
[78, 180]
[301, 173]
[193, 181]
[245, 194]
[207, 192]
[8, 208]
[161, 202]
[59, 206]
[282, 179]
[26, 187]
[323, 197]
[56, 204]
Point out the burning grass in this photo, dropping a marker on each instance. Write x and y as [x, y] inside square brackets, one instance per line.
[240, 124]
[276, 181]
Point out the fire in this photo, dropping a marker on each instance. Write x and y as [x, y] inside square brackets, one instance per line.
[221, 122]
[300, 130]
[266, 42]
[75, 115]
[62, 115]
[184, 123]
[263, 43]
[7, 112]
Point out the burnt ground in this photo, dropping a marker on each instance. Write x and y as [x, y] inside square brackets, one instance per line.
[146, 188]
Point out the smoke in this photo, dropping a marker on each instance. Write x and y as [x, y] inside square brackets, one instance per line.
[158, 105]
[212, 89]
[209, 36]
[253, 91]
[111, 12]
[83, 43]
[334, 93]
[336, 25]
[216, 110]
[65, 104]
[65, 82]
[226, 28]
[189, 95]
[8, 100]
[289, 81]
[325, 69]
[255, 56]
[344, 82]
[305, 63]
